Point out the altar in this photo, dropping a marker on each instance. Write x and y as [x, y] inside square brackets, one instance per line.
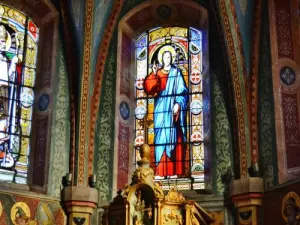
[143, 202]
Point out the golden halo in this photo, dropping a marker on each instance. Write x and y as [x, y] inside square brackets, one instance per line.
[14, 211]
[162, 50]
[8, 41]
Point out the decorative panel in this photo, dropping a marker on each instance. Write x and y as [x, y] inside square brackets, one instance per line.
[284, 29]
[125, 66]
[47, 61]
[40, 151]
[123, 155]
[291, 125]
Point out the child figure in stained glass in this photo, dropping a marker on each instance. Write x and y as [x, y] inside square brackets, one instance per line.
[169, 88]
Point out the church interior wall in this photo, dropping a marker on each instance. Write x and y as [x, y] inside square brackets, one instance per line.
[42, 205]
[281, 186]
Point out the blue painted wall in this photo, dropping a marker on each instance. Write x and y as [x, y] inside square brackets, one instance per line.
[244, 11]
[102, 10]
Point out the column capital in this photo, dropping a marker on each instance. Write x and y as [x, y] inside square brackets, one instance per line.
[246, 185]
[246, 194]
[247, 191]
[80, 199]
[80, 203]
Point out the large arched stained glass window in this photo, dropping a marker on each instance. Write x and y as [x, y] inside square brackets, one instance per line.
[168, 110]
[18, 53]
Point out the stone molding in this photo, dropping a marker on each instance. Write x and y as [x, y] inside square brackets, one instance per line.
[80, 194]
[246, 186]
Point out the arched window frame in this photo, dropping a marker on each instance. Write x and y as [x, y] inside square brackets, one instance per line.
[124, 158]
[45, 16]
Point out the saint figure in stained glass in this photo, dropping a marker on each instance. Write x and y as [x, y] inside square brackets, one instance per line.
[8, 75]
[18, 53]
[170, 91]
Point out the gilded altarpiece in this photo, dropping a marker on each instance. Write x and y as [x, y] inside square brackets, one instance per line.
[143, 202]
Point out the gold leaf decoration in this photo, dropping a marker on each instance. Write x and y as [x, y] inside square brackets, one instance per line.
[174, 196]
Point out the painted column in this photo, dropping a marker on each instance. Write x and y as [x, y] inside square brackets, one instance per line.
[246, 194]
[238, 72]
[79, 203]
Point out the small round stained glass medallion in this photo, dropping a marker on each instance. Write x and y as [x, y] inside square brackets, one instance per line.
[124, 110]
[196, 107]
[43, 102]
[287, 75]
[140, 112]
[27, 97]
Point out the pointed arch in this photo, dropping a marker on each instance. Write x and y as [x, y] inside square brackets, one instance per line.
[140, 19]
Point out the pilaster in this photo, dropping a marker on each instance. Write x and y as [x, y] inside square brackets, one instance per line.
[80, 203]
[246, 194]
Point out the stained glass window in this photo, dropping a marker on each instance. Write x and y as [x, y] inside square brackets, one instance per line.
[18, 48]
[168, 110]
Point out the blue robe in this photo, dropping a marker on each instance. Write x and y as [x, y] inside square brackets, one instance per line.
[165, 131]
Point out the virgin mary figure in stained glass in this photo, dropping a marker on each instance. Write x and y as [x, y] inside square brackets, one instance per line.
[171, 97]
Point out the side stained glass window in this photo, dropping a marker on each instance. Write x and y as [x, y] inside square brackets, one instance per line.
[168, 109]
[18, 52]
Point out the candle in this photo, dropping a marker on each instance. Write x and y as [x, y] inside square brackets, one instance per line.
[94, 178]
[69, 177]
[92, 181]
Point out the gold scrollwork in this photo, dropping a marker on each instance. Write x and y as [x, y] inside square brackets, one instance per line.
[142, 175]
[172, 216]
[174, 196]
[158, 191]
